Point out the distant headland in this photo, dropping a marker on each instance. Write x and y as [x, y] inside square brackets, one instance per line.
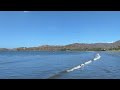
[71, 47]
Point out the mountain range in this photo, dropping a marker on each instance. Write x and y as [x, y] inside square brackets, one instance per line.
[72, 47]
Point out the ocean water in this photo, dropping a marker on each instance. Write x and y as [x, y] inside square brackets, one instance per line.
[59, 65]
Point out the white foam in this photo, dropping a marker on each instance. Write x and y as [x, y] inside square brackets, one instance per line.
[97, 57]
[82, 64]
[77, 67]
[88, 62]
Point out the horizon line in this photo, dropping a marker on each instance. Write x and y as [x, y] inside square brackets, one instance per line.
[56, 44]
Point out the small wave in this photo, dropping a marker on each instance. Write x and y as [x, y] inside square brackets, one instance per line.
[97, 57]
[77, 67]
[86, 63]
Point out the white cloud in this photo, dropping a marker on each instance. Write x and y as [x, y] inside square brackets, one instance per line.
[110, 42]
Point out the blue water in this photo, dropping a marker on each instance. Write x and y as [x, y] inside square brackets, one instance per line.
[53, 65]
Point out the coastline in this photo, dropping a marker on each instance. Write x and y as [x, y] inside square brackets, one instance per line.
[66, 50]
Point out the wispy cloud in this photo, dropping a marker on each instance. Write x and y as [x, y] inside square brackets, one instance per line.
[110, 42]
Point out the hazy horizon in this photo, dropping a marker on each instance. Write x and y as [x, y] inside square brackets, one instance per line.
[56, 44]
[36, 28]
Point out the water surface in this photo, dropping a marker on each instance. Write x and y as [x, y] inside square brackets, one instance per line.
[49, 64]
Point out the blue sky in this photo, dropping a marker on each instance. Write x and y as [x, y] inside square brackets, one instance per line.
[35, 28]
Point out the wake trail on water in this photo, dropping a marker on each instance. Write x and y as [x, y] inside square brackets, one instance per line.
[97, 57]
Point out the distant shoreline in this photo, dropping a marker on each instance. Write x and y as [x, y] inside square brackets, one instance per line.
[115, 46]
[60, 51]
